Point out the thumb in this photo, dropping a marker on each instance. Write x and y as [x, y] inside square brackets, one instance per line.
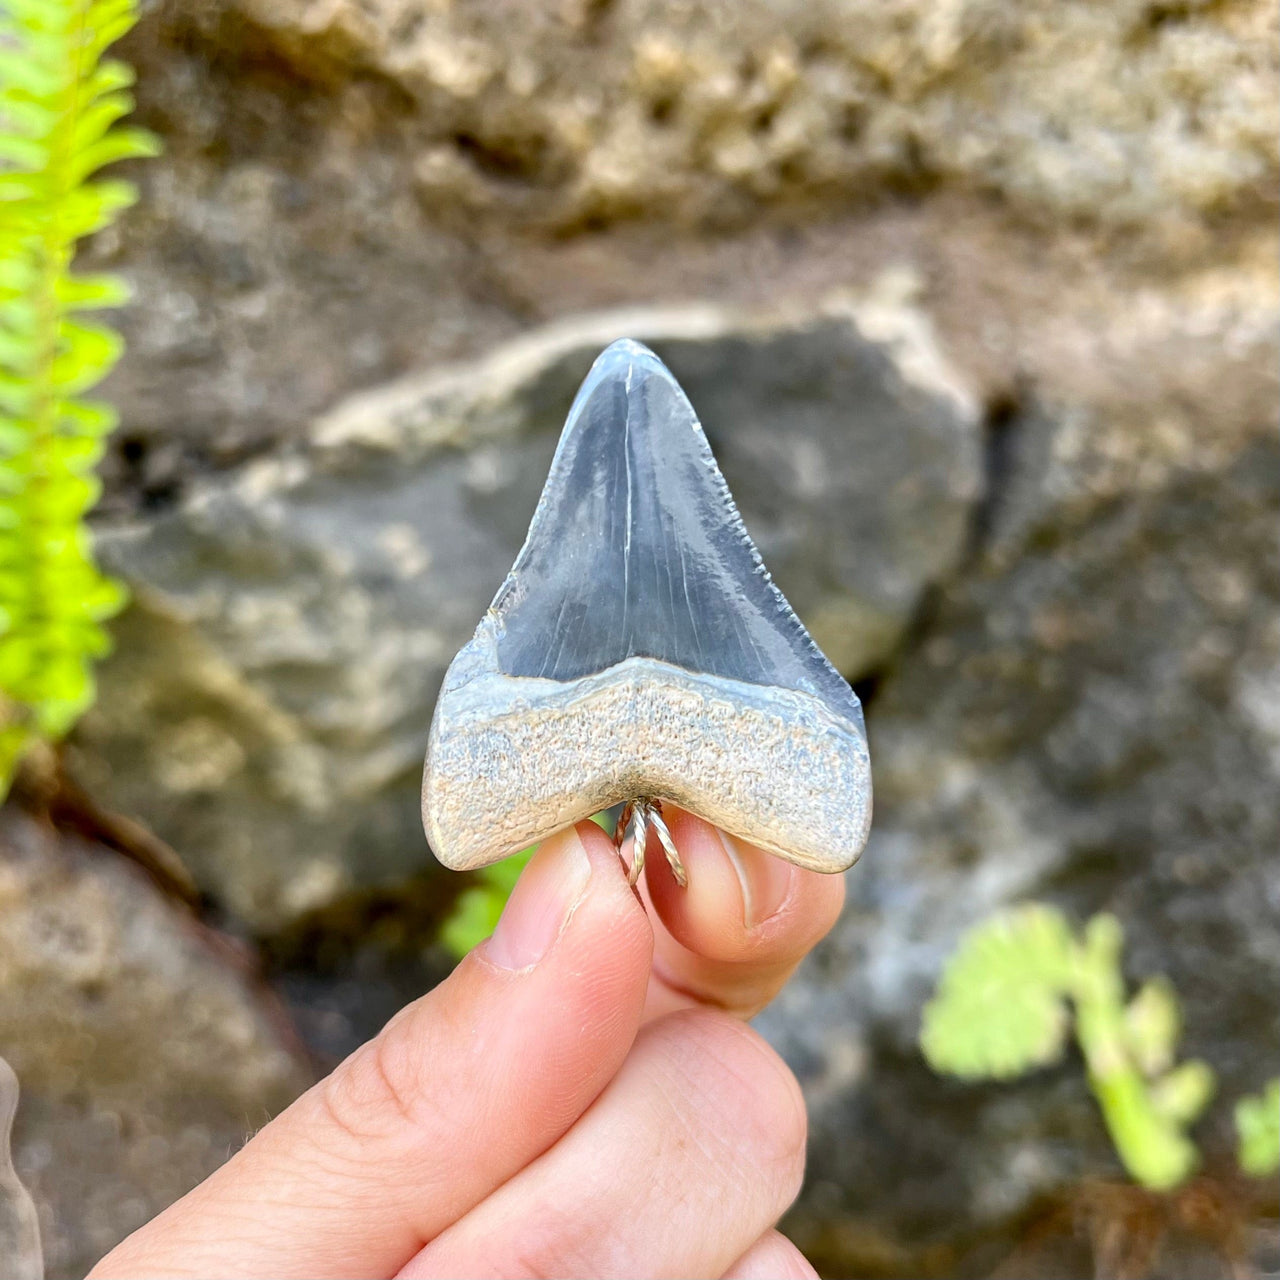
[457, 1094]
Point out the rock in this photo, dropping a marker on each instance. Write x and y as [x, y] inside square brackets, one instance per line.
[337, 206]
[268, 708]
[144, 1056]
[1131, 113]
[1089, 718]
[21, 1255]
[332, 211]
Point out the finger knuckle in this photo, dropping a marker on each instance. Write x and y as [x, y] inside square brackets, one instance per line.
[379, 1092]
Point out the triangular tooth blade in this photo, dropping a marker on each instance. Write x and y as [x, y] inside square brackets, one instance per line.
[637, 550]
[639, 647]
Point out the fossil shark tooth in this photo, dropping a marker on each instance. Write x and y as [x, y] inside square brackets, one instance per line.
[639, 649]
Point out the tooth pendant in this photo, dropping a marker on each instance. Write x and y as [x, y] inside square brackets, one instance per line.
[639, 653]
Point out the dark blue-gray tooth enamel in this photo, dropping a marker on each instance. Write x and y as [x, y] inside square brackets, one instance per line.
[637, 550]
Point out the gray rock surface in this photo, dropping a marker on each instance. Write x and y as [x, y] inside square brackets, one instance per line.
[1089, 718]
[581, 110]
[354, 191]
[268, 709]
[144, 1055]
[21, 1255]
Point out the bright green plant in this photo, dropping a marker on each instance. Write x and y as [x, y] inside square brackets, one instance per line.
[60, 104]
[1258, 1129]
[1004, 1006]
[475, 914]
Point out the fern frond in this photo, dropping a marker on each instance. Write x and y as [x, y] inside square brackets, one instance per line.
[61, 105]
[1001, 1008]
[1258, 1127]
[475, 914]
[1001, 1005]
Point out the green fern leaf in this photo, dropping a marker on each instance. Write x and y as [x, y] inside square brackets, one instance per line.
[21, 152]
[475, 914]
[19, 73]
[1183, 1093]
[999, 1010]
[85, 293]
[1153, 1023]
[60, 112]
[122, 144]
[1258, 1128]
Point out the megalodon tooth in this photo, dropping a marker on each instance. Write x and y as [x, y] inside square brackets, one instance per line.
[639, 650]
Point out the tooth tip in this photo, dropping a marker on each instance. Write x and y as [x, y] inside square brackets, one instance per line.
[621, 358]
[627, 347]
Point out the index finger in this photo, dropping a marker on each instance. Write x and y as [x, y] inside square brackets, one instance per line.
[736, 934]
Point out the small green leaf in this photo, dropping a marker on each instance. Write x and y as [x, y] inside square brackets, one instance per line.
[96, 119]
[88, 353]
[119, 144]
[25, 73]
[999, 1010]
[23, 152]
[474, 918]
[475, 914]
[1183, 1093]
[14, 188]
[89, 417]
[82, 293]
[15, 395]
[106, 598]
[1258, 1129]
[1104, 941]
[112, 74]
[1153, 1024]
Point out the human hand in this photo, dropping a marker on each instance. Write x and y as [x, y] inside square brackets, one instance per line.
[579, 1098]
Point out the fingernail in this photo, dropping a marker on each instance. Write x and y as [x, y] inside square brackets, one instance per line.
[548, 890]
[765, 880]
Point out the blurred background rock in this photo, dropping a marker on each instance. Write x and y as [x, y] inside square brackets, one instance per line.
[978, 304]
